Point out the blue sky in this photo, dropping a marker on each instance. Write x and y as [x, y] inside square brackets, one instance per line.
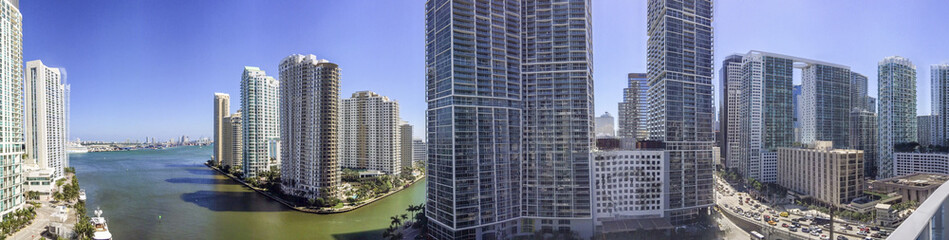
[150, 68]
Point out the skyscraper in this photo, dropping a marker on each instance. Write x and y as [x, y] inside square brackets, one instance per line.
[222, 109]
[858, 91]
[940, 103]
[680, 92]
[729, 79]
[825, 104]
[796, 95]
[510, 122]
[11, 108]
[369, 133]
[766, 112]
[405, 133]
[309, 114]
[924, 129]
[46, 100]
[896, 110]
[260, 98]
[419, 151]
[604, 125]
[233, 141]
[633, 109]
[863, 136]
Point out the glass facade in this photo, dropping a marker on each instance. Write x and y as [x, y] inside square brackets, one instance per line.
[896, 113]
[940, 99]
[260, 95]
[633, 109]
[825, 110]
[679, 65]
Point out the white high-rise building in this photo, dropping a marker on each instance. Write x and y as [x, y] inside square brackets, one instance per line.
[46, 128]
[605, 126]
[369, 133]
[260, 105]
[896, 110]
[309, 113]
[222, 108]
[11, 108]
[940, 103]
[419, 151]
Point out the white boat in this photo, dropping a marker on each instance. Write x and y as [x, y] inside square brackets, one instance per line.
[76, 147]
[82, 195]
[102, 230]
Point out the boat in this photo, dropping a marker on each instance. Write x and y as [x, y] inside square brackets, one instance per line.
[82, 195]
[101, 229]
[76, 147]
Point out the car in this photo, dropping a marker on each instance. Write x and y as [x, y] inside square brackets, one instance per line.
[793, 229]
[876, 235]
[772, 223]
[815, 233]
[875, 228]
[784, 214]
[784, 225]
[805, 230]
[824, 237]
[757, 218]
[849, 228]
[841, 237]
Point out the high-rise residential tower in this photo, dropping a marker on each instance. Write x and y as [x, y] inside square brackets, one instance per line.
[605, 126]
[766, 113]
[939, 74]
[680, 93]
[510, 122]
[419, 151]
[309, 114]
[858, 91]
[633, 109]
[260, 105]
[405, 144]
[233, 141]
[11, 108]
[796, 95]
[46, 120]
[863, 136]
[896, 110]
[369, 133]
[730, 82]
[222, 109]
[825, 104]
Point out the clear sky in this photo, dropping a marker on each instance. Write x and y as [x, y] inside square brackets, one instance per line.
[150, 68]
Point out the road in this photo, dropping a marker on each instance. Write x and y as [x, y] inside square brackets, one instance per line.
[727, 196]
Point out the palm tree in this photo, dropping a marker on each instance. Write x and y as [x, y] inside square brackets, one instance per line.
[396, 221]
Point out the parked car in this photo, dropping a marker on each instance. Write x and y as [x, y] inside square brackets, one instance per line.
[875, 228]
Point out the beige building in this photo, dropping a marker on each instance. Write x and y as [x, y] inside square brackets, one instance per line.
[833, 176]
[222, 108]
[233, 141]
[406, 142]
[914, 187]
[370, 133]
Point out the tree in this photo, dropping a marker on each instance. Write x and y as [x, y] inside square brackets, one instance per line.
[84, 229]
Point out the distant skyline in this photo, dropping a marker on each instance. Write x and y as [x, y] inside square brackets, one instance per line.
[151, 68]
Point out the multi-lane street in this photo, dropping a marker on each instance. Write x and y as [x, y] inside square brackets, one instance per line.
[793, 225]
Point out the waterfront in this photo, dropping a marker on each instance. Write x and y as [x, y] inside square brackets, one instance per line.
[134, 188]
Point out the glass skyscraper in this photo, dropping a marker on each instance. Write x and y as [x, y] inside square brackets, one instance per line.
[679, 69]
[509, 121]
[939, 74]
[11, 110]
[896, 112]
[260, 96]
[633, 109]
[825, 104]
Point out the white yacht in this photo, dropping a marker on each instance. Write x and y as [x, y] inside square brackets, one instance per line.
[102, 230]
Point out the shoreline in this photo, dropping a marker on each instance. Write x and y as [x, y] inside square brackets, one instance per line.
[305, 209]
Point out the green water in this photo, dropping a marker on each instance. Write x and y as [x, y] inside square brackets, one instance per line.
[135, 188]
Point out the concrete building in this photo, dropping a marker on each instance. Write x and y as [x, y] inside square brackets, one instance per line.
[729, 115]
[896, 116]
[928, 220]
[405, 145]
[260, 103]
[233, 141]
[604, 125]
[309, 116]
[832, 176]
[499, 86]
[419, 151]
[222, 109]
[11, 108]
[681, 102]
[863, 136]
[370, 133]
[905, 163]
[925, 125]
[46, 100]
[629, 184]
[633, 109]
[913, 187]
[939, 73]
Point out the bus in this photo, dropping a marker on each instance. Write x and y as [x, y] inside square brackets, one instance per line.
[756, 236]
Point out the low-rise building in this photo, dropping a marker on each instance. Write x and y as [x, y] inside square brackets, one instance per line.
[906, 163]
[913, 187]
[629, 184]
[832, 176]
